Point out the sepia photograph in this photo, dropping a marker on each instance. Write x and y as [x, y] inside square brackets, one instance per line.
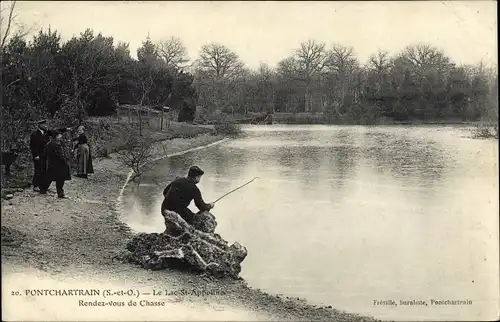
[249, 161]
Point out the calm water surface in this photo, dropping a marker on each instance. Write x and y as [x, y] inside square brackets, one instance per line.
[344, 216]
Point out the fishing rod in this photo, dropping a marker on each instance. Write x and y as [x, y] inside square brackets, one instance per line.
[235, 189]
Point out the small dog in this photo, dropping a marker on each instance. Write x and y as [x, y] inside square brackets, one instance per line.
[8, 158]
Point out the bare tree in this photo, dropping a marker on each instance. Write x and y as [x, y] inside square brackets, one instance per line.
[10, 25]
[378, 67]
[144, 85]
[341, 59]
[342, 64]
[423, 58]
[311, 58]
[380, 62]
[288, 67]
[265, 83]
[288, 72]
[220, 62]
[173, 52]
[137, 153]
[264, 73]
[219, 73]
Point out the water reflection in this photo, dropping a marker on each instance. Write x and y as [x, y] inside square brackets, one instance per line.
[345, 215]
[414, 159]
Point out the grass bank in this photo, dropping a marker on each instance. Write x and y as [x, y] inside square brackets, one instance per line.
[79, 243]
[485, 131]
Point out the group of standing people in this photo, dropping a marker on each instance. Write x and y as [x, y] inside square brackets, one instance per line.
[51, 162]
[51, 159]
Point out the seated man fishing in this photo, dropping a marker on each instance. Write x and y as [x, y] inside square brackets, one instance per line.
[180, 192]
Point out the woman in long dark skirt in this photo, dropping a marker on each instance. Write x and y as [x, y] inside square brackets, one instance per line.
[83, 155]
[58, 169]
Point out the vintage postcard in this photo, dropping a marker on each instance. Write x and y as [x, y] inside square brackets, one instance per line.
[249, 160]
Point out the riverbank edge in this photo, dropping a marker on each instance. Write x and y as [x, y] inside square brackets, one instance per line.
[160, 144]
[47, 259]
[265, 296]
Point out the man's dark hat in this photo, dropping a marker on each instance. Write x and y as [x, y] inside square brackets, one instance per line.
[195, 171]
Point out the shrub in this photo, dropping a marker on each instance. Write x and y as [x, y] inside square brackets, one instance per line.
[485, 131]
[106, 136]
[227, 128]
[70, 114]
[16, 125]
[136, 153]
[101, 137]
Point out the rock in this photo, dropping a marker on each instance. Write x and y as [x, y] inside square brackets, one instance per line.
[186, 247]
[9, 196]
[238, 251]
[20, 189]
[205, 222]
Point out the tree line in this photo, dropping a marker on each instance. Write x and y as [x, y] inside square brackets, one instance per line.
[84, 76]
[419, 83]
[90, 74]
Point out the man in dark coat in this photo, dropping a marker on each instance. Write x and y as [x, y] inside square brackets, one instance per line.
[180, 192]
[58, 169]
[38, 141]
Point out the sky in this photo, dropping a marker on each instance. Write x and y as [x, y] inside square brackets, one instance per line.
[268, 31]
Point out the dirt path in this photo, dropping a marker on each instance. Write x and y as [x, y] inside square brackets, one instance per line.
[77, 242]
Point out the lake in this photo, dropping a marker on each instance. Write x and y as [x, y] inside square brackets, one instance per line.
[345, 215]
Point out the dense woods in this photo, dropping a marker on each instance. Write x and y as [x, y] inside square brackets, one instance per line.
[90, 74]
[85, 76]
[419, 83]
